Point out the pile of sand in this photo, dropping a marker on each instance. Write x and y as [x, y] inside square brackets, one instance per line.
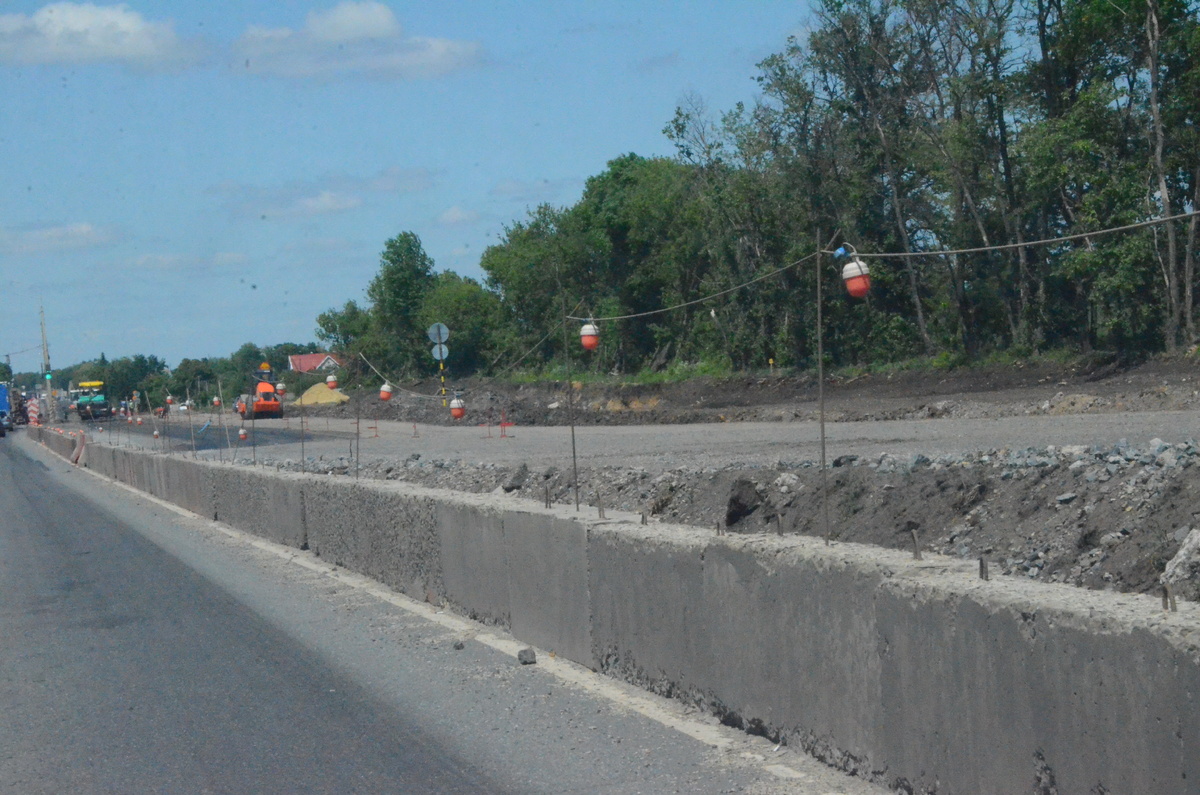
[321, 395]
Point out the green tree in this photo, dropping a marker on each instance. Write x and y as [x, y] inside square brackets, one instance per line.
[396, 294]
[473, 315]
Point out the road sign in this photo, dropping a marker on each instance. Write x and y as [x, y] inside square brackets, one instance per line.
[440, 352]
[438, 333]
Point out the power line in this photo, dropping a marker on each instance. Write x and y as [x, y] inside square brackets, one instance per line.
[393, 383]
[536, 345]
[735, 288]
[1009, 246]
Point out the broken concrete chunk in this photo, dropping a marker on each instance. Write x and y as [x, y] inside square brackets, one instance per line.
[1182, 572]
[527, 656]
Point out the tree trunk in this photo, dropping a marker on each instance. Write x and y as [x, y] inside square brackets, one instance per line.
[1189, 263]
[902, 228]
[1174, 305]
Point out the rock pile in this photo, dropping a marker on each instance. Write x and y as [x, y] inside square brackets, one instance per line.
[1116, 517]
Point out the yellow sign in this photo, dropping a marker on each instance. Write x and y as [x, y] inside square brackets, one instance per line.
[264, 366]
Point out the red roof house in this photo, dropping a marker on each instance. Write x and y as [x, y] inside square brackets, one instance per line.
[311, 362]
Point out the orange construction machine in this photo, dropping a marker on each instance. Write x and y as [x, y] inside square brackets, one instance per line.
[264, 402]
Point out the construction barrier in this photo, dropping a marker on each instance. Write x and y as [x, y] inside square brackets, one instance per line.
[914, 673]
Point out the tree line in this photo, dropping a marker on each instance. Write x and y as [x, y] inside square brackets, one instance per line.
[198, 380]
[894, 126]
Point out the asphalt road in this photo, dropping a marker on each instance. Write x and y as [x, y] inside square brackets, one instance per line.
[142, 650]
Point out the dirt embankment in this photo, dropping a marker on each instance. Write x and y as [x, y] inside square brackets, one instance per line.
[1114, 517]
[1083, 388]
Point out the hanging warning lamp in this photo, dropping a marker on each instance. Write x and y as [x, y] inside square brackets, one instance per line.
[130, 420]
[385, 391]
[156, 434]
[139, 420]
[458, 409]
[589, 335]
[217, 402]
[857, 277]
[242, 434]
[281, 388]
[331, 381]
[170, 400]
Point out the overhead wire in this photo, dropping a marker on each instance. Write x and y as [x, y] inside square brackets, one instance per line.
[727, 291]
[392, 381]
[900, 254]
[1009, 246]
[536, 345]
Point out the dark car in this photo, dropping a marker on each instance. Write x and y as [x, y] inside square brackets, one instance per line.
[6, 420]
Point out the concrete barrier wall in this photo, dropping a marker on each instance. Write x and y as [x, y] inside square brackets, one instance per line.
[385, 534]
[912, 673]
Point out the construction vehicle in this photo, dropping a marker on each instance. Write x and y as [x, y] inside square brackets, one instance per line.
[91, 403]
[264, 403]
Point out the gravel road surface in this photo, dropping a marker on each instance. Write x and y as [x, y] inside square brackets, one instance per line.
[659, 447]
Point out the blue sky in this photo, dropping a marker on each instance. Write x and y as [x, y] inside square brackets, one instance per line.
[181, 178]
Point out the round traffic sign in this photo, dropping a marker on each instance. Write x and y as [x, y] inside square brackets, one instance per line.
[440, 352]
[438, 333]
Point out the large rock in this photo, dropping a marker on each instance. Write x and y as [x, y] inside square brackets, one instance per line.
[1183, 571]
[744, 499]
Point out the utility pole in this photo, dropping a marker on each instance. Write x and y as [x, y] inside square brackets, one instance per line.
[51, 403]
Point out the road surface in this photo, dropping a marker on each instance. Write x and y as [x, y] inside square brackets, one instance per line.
[148, 651]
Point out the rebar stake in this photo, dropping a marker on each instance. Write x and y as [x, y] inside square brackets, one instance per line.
[1168, 599]
[983, 569]
[916, 546]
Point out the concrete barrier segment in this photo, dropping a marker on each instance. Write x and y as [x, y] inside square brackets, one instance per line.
[916, 674]
[474, 558]
[387, 531]
[548, 591]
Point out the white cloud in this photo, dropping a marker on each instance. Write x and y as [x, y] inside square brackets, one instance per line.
[44, 239]
[323, 203]
[330, 194]
[351, 21]
[457, 216]
[87, 33]
[353, 39]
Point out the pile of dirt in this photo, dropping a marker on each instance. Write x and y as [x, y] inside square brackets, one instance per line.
[1084, 387]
